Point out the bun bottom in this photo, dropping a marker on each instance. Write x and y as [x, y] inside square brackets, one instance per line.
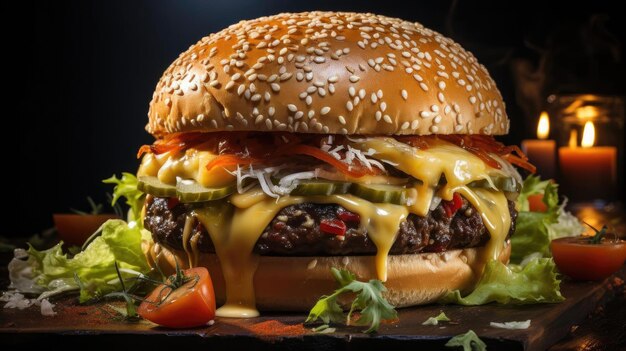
[296, 283]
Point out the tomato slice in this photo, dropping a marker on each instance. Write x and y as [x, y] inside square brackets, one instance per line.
[578, 258]
[536, 204]
[190, 305]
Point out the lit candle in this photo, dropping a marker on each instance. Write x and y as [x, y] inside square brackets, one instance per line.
[588, 172]
[541, 151]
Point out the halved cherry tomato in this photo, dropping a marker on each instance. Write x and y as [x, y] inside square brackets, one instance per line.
[190, 305]
[581, 260]
[536, 204]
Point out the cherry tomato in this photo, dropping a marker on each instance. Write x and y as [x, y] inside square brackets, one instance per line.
[535, 202]
[190, 305]
[581, 260]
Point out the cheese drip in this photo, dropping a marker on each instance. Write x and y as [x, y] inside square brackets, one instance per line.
[253, 211]
[460, 167]
[235, 225]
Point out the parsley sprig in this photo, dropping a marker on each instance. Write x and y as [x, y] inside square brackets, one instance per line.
[369, 301]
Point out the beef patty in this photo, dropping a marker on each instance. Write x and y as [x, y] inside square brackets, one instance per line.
[295, 230]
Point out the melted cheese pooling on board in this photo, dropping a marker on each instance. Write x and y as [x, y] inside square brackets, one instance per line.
[236, 224]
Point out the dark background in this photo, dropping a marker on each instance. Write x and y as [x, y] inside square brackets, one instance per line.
[79, 76]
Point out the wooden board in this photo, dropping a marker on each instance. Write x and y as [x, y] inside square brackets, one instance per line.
[549, 323]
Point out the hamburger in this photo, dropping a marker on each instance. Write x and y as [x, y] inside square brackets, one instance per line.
[290, 144]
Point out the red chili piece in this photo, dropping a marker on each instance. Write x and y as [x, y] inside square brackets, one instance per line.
[349, 217]
[333, 226]
[172, 202]
[452, 206]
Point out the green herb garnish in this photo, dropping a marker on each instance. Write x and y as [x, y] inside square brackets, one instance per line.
[372, 305]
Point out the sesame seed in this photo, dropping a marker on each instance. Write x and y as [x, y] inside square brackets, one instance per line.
[354, 78]
[415, 124]
[255, 97]
[324, 110]
[405, 125]
[418, 77]
[441, 97]
[374, 98]
[240, 89]
[442, 85]
[319, 59]
[229, 85]
[434, 129]
[404, 94]
[387, 119]
[333, 79]
[424, 86]
[424, 114]
[349, 106]
[275, 87]
[437, 119]
[342, 120]
[378, 115]
[351, 91]
[214, 83]
[383, 106]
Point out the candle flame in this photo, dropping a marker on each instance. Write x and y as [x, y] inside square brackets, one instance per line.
[573, 138]
[589, 135]
[587, 112]
[543, 127]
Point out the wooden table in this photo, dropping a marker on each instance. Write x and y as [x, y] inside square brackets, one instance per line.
[96, 326]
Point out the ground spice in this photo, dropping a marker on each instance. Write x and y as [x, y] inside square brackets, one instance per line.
[275, 328]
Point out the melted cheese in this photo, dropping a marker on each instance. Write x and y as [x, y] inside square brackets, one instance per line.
[254, 210]
[236, 224]
[187, 165]
[494, 211]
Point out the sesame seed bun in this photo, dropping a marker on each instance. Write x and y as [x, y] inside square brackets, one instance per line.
[295, 283]
[331, 73]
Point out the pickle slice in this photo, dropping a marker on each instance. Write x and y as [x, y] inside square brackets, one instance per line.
[153, 186]
[381, 193]
[189, 190]
[320, 187]
[506, 184]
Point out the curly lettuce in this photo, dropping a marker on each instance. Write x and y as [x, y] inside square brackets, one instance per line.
[91, 272]
[535, 230]
[536, 282]
[126, 187]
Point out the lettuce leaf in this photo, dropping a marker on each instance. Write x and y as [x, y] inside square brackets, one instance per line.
[535, 230]
[91, 272]
[126, 186]
[468, 341]
[536, 282]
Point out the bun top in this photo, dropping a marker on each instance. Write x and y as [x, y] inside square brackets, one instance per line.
[327, 72]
